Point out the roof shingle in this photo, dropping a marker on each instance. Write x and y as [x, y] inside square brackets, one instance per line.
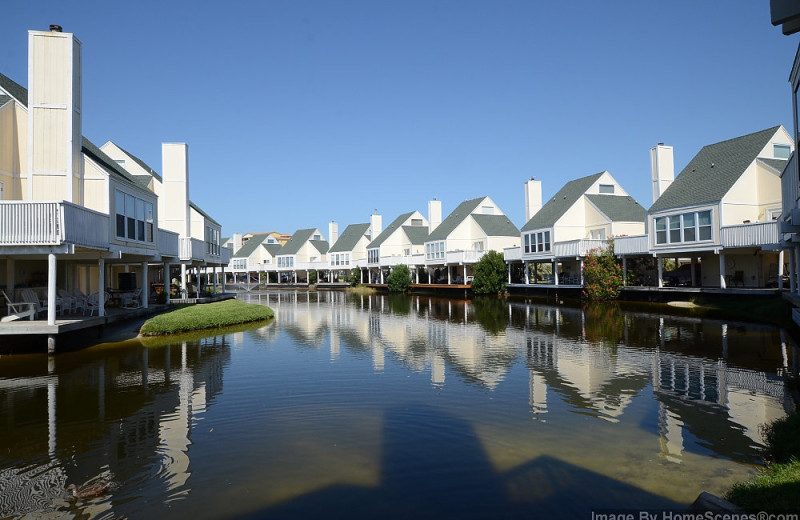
[555, 208]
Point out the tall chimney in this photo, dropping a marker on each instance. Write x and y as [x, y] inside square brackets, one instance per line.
[175, 209]
[375, 224]
[333, 232]
[55, 164]
[662, 169]
[434, 214]
[237, 242]
[533, 198]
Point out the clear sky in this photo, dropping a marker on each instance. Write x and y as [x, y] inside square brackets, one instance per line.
[301, 112]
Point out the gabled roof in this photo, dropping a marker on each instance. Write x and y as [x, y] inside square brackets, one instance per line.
[776, 164]
[713, 171]
[272, 249]
[555, 208]
[4, 99]
[456, 217]
[141, 163]
[349, 238]
[320, 245]
[619, 208]
[247, 249]
[100, 157]
[300, 237]
[496, 225]
[206, 215]
[386, 233]
[416, 234]
[14, 89]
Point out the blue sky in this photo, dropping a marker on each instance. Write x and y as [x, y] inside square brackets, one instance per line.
[301, 112]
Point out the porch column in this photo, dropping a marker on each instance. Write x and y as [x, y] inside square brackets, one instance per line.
[694, 268]
[555, 271]
[10, 281]
[101, 300]
[183, 279]
[145, 285]
[780, 269]
[51, 289]
[381, 270]
[660, 264]
[416, 275]
[797, 268]
[167, 281]
[509, 272]
[722, 283]
[448, 274]
[223, 278]
[624, 271]
[581, 271]
[527, 273]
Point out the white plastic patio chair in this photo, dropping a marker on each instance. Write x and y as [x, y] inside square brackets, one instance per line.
[19, 310]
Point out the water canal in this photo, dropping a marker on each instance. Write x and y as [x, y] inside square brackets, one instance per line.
[377, 407]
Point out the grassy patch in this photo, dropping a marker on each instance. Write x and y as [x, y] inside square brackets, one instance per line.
[361, 289]
[206, 316]
[777, 487]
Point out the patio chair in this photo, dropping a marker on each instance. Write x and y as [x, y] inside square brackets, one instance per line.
[19, 310]
[132, 300]
[93, 302]
[30, 296]
[79, 300]
[67, 301]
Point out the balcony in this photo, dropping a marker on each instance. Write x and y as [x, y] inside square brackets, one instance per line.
[750, 235]
[51, 223]
[576, 248]
[635, 245]
[410, 260]
[168, 243]
[512, 254]
[192, 250]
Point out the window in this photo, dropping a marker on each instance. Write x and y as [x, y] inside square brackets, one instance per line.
[477, 246]
[271, 241]
[134, 219]
[781, 151]
[407, 252]
[317, 236]
[597, 234]
[488, 210]
[416, 221]
[538, 242]
[606, 188]
[434, 250]
[2, 191]
[372, 256]
[212, 240]
[240, 263]
[121, 162]
[772, 213]
[285, 261]
[687, 227]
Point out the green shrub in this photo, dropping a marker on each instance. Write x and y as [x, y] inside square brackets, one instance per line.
[206, 316]
[354, 278]
[602, 274]
[399, 279]
[490, 274]
[312, 277]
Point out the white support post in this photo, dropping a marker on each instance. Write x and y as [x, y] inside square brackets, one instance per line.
[555, 271]
[527, 273]
[722, 283]
[101, 300]
[780, 269]
[624, 271]
[51, 289]
[581, 271]
[183, 280]
[448, 274]
[660, 263]
[167, 282]
[223, 279]
[145, 285]
[509, 272]
[694, 271]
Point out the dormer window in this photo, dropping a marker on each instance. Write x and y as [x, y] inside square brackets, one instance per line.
[606, 188]
[416, 221]
[317, 236]
[488, 210]
[781, 151]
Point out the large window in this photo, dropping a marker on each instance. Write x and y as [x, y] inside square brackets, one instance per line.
[606, 188]
[537, 242]
[372, 256]
[687, 227]
[285, 261]
[434, 250]
[134, 218]
[340, 259]
[212, 241]
[240, 263]
[781, 151]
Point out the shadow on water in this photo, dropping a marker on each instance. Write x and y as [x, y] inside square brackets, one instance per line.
[446, 473]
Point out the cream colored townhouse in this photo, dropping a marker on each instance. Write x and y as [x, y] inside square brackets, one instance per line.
[402, 242]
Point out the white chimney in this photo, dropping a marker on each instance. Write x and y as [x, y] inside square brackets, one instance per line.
[333, 232]
[662, 169]
[533, 198]
[375, 224]
[434, 214]
[237, 242]
[55, 162]
[175, 209]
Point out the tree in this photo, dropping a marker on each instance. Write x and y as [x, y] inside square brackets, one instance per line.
[354, 278]
[602, 274]
[490, 274]
[399, 279]
[312, 277]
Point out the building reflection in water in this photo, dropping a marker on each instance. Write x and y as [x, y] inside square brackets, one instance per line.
[596, 360]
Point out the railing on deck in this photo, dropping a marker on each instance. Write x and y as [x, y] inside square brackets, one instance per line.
[749, 235]
[512, 254]
[576, 248]
[790, 186]
[634, 245]
[51, 223]
[168, 242]
[192, 249]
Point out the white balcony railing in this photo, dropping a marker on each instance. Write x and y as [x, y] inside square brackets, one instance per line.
[192, 249]
[750, 235]
[51, 223]
[634, 245]
[512, 254]
[790, 185]
[576, 248]
[168, 242]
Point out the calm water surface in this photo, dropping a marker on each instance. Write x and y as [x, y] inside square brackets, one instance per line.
[374, 407]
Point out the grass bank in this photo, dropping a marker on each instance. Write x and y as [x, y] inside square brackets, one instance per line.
[777, 487]
[360, 289]
[205, 316]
